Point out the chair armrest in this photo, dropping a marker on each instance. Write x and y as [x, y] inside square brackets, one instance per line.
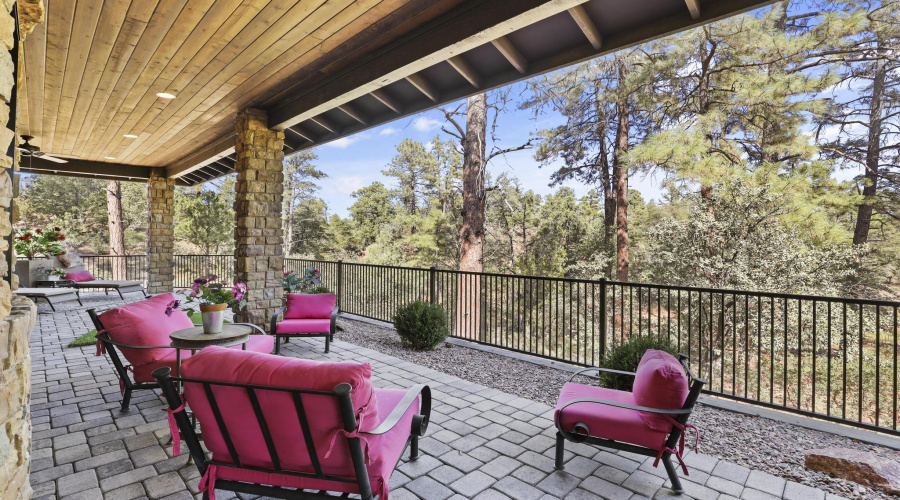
[397, 413]
[251, 325]
[598, 370]
[104, 337]
[275, 319]
[334, 315]
[662, 411]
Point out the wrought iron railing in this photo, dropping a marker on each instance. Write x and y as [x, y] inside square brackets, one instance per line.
[134, 267]
[833, 358]
[828, 357]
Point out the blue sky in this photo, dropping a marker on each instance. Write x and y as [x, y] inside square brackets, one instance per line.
[356, 161]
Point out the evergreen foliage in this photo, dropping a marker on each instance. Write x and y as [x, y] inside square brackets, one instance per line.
[626, 357]
[420, 325]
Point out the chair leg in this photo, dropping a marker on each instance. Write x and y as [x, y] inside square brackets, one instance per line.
[126, 399]
[120, 294]
[278, 344]
[560, 451]
[327, 344]
[414, 448]
[287, 340]
[673, 476]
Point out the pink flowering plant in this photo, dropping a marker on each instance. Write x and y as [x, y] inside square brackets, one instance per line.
[211, 291]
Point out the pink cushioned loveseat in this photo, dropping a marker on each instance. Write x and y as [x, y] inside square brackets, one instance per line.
[275, 426]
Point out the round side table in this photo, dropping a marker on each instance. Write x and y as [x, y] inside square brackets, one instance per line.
[193, 339]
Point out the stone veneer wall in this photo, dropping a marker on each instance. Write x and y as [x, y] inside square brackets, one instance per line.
[161, 237]
[257, 206]
[17, 314]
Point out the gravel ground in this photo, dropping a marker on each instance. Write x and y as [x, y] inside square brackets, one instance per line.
[754, 442]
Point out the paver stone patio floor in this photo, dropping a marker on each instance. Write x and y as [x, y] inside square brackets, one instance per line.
[482, 443]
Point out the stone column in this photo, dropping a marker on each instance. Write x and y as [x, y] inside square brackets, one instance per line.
[257, 206]
[161, 234]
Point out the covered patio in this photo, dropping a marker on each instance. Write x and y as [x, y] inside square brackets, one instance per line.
[483, 443]
[179, 93]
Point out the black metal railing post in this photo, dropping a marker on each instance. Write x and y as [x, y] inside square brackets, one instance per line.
[603, 317]
[431, 280]
[340, 280]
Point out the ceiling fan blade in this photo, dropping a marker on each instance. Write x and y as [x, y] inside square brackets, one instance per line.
[52, 158]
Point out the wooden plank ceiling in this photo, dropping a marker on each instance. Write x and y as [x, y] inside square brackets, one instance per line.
[323, 69]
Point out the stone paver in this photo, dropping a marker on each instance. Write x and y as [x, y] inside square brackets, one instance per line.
[482, 443]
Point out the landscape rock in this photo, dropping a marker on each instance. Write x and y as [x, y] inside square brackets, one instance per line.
[860, 467]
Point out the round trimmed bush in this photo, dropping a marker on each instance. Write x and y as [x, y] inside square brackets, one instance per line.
[626, 357]
[421, 326]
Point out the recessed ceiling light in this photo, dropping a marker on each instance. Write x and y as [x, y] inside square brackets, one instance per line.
[165, 95]
[131, 136]
[110, 157]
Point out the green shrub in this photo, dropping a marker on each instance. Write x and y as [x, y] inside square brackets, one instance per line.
[421, 326]
[318, 289]
[625, 357]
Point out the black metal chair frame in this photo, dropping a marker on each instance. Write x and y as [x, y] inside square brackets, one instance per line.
[341, 392]
[287, 336]
[680, 415]
[121, 368]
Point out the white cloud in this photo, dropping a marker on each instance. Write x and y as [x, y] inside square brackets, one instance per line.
[425, 124]
[389, 131]
[343, 142]
[347, 184]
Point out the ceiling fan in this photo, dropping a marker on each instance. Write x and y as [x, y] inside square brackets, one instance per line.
[33, 151]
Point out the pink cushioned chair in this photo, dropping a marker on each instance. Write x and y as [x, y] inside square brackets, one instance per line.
[280, 427]
[140, 332]
[651, 420]
[306, 315]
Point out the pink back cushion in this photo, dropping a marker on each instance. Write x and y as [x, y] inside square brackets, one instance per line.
[229, 365]
[80, 276]
[145, 323]
[309, 305]
[660, 383]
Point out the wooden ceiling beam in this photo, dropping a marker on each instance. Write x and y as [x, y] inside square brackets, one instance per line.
[325, 123]
[351, 111]
[303, 132]
[466, 70]
[511, 53]
[590, 30]
[387, 100]
[218, 149]
[694, 8]
[97, 169]
[418, 81]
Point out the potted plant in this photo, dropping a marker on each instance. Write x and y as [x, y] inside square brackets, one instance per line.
[33, 242]
[214, 297]
[50, 273]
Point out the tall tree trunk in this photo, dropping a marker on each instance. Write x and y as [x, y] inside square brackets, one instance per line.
[471, 248]
[873, 153]
[621, 179]
[289, 224]
[116, 229]
[606, 179]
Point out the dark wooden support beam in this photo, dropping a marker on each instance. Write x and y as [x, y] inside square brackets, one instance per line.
[95, 169]
[387, 100]
[349, 110]
[303, 132]
[590, 30]
[424, 87]
[466, 70]
[224, 146]
[511, 53]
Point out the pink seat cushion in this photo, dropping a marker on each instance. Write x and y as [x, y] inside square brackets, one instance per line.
[304, 326]
[384, 453]
[145, 323]
[309, 305]
[609, 422]
[80, 276]
[660, 382]
[228, 365]
[143, 373]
